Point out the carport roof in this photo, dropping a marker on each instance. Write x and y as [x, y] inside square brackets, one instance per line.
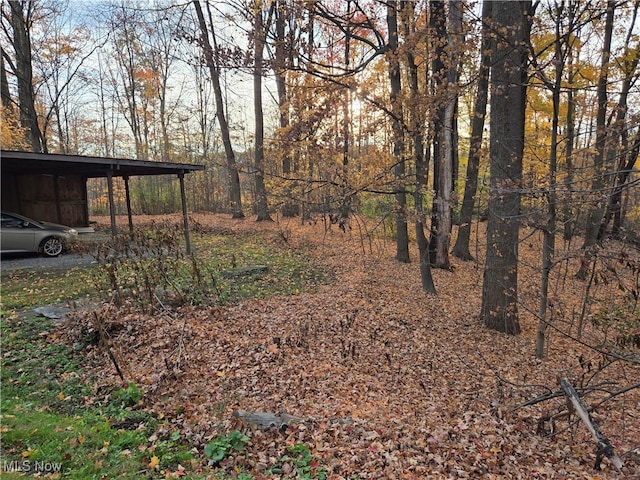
[30, 163]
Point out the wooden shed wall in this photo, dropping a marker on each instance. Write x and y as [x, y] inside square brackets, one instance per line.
[53, 198]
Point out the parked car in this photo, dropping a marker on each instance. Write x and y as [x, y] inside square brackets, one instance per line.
[22, 234]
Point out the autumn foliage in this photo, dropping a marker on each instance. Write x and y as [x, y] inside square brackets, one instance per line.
[392, 382]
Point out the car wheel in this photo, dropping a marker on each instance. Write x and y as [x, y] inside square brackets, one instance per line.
[51, 247]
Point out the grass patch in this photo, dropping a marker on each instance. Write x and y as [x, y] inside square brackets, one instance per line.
[54, 423]
[153, 267]
[288, 271]
[25, 289]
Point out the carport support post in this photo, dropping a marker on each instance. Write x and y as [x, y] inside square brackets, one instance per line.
[185, 217]
[128, 197]
[112, 207]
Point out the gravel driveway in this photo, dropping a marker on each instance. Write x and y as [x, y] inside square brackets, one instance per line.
[14, 262]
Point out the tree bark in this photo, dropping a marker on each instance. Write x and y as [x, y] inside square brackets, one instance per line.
[234, 178]
[24, 73]
[440, 227]
[461, 247]
[259, 38]
[597, 209]
[421, 160]
[549, 241]
[567, 209]
[443, 205]
[508, 89]
[402, 234]
[289, 207]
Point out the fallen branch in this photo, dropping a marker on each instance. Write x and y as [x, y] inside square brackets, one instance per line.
[265, 420]
[603, 445]
[105, 344]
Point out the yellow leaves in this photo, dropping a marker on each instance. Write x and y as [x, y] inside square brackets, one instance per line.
[12, 136]
[154, 462]
[28, 453]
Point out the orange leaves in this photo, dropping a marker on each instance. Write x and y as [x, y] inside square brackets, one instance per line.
[418, 398]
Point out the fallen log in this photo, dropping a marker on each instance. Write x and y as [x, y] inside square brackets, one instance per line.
[245, 271]
[266, 420]
[603, 446]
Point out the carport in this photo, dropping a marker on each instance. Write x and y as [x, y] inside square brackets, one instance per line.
[54, 186]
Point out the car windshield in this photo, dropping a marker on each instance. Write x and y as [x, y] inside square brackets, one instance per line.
[12, 221]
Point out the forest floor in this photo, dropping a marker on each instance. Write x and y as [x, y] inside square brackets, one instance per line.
[391, 382]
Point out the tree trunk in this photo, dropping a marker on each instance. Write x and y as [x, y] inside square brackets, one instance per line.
[440, 220]
[234, 178]
[5, 95]
[568, 219]
[461, 248]
[402, 234]
[620, 136]
[345, 207]
[596, 211]
[549, 241]
[24, 74]
[446, 76]
[508, 88]
[289, 208]
[262, 209]
[421, 161]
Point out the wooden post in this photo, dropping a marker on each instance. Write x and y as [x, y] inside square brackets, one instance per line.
[185, 217]
[112, 207]
[128, 198]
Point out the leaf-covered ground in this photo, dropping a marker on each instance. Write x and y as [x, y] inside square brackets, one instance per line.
[394, 383]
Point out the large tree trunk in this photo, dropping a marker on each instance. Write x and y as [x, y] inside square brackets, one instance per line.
[442, 162]
[259, 37]
[446, 76]
[508, 89]
[402, 234]
[5, 95]
[461, 248]
[596, 211]
[24, 73]
[234, 178]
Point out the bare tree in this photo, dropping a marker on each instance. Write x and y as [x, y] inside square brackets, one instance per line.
[402, 234]
[598, 184]
[214, 70]
[259, 39]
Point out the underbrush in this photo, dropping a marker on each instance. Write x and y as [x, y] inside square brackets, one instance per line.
[61, 420]
[150, 269]
[58, 422]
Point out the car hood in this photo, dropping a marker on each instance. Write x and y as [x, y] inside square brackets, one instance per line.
[56, 226]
